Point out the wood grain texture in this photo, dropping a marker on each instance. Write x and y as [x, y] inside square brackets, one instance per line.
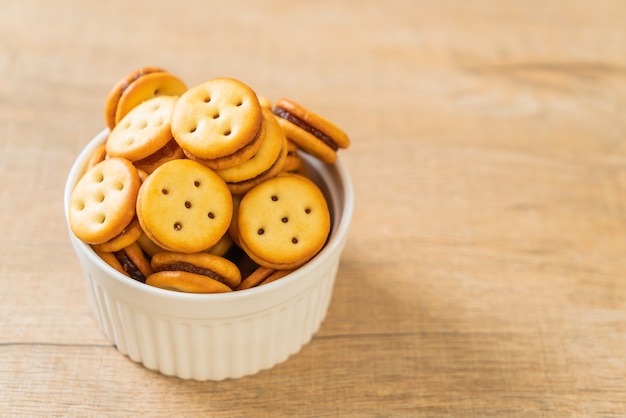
[484, 271]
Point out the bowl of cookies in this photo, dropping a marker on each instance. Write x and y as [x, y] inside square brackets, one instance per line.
[209, 224]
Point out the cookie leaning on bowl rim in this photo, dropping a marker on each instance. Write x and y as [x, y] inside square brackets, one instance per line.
[310, 131]
[137, 86]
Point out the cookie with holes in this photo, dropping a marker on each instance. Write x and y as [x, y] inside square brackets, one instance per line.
[310, 131]
[218, 122]
[183, 206]
[283, 222]
[266, 163]
[194, 273]
[102, 203]
[144, 130]
[139, 85]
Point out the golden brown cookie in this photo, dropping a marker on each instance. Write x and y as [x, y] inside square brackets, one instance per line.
[310, 131]
[283, 222]
[113, 98]
[184, 206]
[217, 118]
[144, 88]
[102, 203]
[212, 266]
[144, 130]
[266, 163]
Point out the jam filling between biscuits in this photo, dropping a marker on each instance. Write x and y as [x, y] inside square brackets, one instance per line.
[129, 266]
[191, 268]
[279, 111]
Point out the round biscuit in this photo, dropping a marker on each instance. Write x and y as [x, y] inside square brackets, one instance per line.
[146, 87]
[144, 130]
[184, 206]
[283, 222]
[113, 98]
[216, 118]
[102, 203]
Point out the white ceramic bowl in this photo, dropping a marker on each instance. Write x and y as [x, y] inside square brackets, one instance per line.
[217, 336]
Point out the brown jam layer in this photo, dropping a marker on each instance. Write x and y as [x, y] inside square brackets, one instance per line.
[191, 268]
[129, 266]
[279, 111]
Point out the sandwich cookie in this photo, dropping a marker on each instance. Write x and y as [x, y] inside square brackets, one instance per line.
[143, 131]
[194, 273]
[283, 222]
[183, 206]
[139, 85]
[220, 120]
[310, 131]
[144, 88]
[102, 203]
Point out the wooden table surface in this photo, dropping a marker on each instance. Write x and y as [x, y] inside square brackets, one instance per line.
[485, 269]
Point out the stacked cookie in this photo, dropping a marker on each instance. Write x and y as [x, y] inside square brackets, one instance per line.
[202, 189]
